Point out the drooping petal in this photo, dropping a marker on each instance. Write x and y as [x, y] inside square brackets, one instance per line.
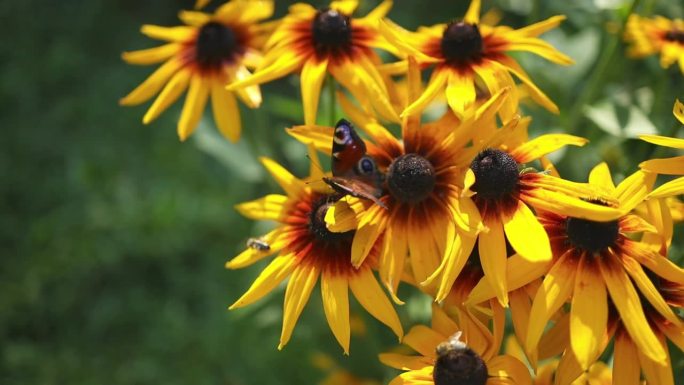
[424, 340]
[283, 65]
[151, 55]
[152, 84]
[492, 250]
[588, 314]
[319, 136]
[267, 280]
[370, 227]
[171, 92]
[519, 272]
[666, 140]
[404, 362]
[336, 306]
[627, 302]
[556, 288]
[669, 166]
[649, 290]
[633, 189]
[195, 100]
[370, 295]
[297, 294]
[657, 372]
[226, 112]
[671, 188]
[434, 87]
[311, 81]
[526, 235]
[460, 92]
[543, 145]
[625, 362]
[510, 368]
[171, 34]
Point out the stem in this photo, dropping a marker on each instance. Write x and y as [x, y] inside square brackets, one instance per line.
[597, 77]
[331, 100]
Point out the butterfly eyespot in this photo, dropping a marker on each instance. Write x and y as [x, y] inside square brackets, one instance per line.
[366, 166]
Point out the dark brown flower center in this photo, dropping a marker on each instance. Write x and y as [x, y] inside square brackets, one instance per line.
[216, 44]
[332, 32]
[675, 35]
[496, 174]
[461, 43]
[591, 236]
[317, 225]
[460, 366]
[411, 178]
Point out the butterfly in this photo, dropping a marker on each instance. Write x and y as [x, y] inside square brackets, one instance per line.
[354, 172]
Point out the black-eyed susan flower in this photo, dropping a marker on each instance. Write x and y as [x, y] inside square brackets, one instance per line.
[452, 351]
[201, 56]
[669, 166]
[423, 217]
[306, 251]
[650, 36]
[506, 192]
[316, 42]
[468, 55]
[597, 260]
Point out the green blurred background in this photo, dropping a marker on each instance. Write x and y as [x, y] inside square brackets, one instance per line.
[114, 234]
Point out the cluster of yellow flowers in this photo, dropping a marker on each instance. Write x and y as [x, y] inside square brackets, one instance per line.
[454, 207]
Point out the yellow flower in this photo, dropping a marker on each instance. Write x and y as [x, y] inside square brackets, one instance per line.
[468, 54]
[455, 353]
[202, 56]
[199, 4]
[505, 193]
[328, 40]
[656, 35]
[307, 250]
[671, 166]
[594, 261]
[424, 216]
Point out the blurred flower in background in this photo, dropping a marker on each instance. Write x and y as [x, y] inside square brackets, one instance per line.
[656, 35]
[202, 57]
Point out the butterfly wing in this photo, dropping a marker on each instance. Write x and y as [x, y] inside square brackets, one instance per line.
[347, 149]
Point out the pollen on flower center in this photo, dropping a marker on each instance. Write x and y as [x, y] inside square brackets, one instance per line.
[461, 43]
[592, 236]
[496, 174]
[318, 227]
[411, 178]
[332, 32]
[675, 35]
[216, 44]
[459, 365]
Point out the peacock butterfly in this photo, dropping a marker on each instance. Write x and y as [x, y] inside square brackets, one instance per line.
[354, 172]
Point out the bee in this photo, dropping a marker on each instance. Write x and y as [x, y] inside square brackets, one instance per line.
[454, 343]
[258, 244]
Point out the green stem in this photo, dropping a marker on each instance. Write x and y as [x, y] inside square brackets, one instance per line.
[596, 79]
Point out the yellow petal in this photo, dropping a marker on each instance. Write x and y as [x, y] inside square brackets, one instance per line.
[173, 89]
[340, 217]
[392, 260]
[526, 235]
[629, 307]
[556, 288]
[460, 92]
[453, 263]
[492, 249]
[649, 290]
[320, 136]
[543, 145]
[370, 295]
[283, 65]
[600, 176]
[346, 7]
[664, 140]
[250, 95]
[678, 111]
[540, 27]
[269, 278]
[370, 227]
[434, 87]
[152, 84]
[671, 188]
[297, 294]
[226, 112]
[669, 166]
[657, 372]
[519, 272]
[626, 368]
[508, 367]
[251, 255]
[403, 362]
[288, 182]
[311, 80]
[151, 55]
[401, 38]
[535, 93]
[174, 34]
[472, 15]
[336, 306]
[194, 18]
[270, 207]
[423, 340]
[193, 108]
[588, 314]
